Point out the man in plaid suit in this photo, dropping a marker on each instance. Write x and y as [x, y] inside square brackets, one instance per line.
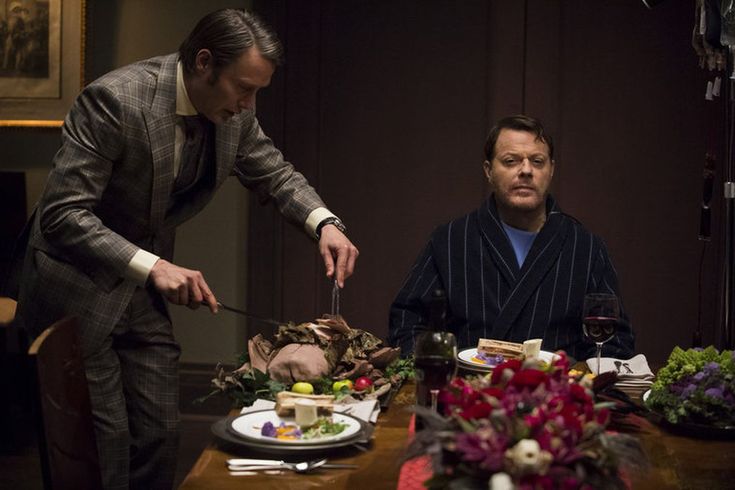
[144, 148]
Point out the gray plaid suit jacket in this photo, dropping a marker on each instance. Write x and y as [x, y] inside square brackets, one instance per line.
[108, 195]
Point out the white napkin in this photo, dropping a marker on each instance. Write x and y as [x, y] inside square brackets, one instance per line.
[259, 404]
[634, 374]
[629, 370]
[367, 410]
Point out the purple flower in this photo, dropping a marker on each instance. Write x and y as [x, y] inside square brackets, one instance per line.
[490, 359]
[714, 392]
[700, 376]
[268, 430]
[485, 447]
[712, 368]
[687, 391]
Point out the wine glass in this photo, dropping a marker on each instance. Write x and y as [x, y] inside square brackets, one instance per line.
[600, 315]
[435, 364]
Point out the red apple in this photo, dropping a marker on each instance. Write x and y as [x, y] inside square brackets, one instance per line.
[363, 383]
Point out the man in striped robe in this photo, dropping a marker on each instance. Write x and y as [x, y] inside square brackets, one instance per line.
[517, 268]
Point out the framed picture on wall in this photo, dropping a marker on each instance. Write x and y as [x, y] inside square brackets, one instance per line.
[42, 46]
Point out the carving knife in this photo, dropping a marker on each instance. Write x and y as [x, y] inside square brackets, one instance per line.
[249, 315]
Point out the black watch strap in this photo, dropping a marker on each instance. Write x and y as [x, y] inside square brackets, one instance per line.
[332, 220]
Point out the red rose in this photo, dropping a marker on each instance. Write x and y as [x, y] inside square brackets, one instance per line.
[528, 378]
[562, 362]
[477, 411]
[512, 364]
[579, 393]
[494, 392]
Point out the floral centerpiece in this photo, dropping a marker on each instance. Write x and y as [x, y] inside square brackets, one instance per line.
[696, 386]
[527, 425]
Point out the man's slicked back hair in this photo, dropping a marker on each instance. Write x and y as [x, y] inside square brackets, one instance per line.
[228, 33]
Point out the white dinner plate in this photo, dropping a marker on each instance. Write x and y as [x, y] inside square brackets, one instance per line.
[465, 358]
[250, 424]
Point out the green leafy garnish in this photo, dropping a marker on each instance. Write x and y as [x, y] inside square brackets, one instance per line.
[324, 427]
[401, 367]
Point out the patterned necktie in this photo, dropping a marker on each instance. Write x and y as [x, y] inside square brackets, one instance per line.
[195, 132]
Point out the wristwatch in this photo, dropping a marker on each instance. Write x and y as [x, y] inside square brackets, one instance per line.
[332, 220]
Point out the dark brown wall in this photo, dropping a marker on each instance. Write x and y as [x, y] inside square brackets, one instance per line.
[385, 106]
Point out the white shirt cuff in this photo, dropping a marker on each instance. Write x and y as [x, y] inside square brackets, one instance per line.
[140, 266]
[314, 218]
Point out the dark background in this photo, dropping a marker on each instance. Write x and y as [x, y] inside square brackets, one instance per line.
[385, 107]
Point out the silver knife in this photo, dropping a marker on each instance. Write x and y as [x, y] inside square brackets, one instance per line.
[246, 314]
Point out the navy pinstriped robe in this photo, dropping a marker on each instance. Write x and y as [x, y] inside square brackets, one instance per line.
[472, 259]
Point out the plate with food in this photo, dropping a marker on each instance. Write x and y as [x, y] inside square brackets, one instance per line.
[489, 353]
[268, 428]
[223, 433]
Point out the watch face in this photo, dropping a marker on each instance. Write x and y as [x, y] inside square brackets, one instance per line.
[330, 221]
[338, 224]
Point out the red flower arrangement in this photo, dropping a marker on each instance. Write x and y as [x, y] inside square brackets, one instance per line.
[527, 425]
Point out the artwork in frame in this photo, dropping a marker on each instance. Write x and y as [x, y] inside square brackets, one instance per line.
[41, 60]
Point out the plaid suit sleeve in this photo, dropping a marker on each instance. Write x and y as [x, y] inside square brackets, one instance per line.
[260, 166]
[91, 144]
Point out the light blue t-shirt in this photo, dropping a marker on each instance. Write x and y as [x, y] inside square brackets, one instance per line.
[521, 241]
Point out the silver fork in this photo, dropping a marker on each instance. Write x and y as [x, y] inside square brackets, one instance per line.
[244, 465]
[335, 297]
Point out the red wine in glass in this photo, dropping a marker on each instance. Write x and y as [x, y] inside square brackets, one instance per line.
[435, 364]
[600, 328]
[432, 373]
[600, 314]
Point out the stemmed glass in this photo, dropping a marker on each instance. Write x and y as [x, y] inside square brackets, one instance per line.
[435, 363]
[600, 316]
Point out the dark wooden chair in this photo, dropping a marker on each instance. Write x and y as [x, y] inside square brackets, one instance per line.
[15, 408]
[67, 444]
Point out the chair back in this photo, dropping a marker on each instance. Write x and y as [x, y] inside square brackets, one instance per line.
[7, 310]
[67, 444]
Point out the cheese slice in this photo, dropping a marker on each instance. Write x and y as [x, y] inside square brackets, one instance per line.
[532, 347]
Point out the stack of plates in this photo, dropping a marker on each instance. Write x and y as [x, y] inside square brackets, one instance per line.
[245, 430]
[466, 361]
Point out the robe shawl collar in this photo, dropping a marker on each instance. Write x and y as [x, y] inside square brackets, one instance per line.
[543, 255]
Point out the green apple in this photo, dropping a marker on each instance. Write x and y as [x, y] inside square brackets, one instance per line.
[338, 385]
[302, 388]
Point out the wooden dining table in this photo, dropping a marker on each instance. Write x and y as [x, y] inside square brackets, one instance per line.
[675, 461]
[378, 463]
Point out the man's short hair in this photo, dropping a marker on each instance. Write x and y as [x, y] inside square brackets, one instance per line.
[227, 33]
[518, 123]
